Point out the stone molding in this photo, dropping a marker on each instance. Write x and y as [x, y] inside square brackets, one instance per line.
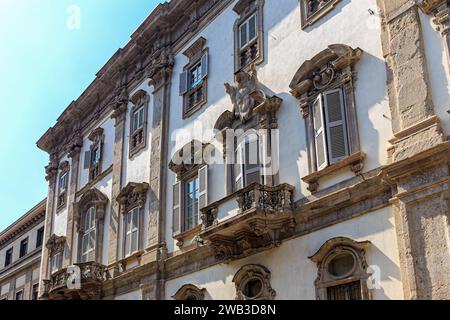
[189, 292]
[250, 273]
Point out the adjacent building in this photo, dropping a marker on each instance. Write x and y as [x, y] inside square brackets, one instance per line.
[258, 149]
[20, 255]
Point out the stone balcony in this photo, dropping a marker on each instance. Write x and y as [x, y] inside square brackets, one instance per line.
[265, 217]
[63, 285]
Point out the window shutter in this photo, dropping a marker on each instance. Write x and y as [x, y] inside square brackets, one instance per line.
[205, 65]
[203, 187]
[87, 159]
[176, 223]
[336, 126]
[319, 134]
[183, 83]
[238, 164]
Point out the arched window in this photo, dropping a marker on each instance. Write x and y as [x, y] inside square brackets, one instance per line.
[88, 239]
[342, 273]
[90, 212]
[253, 283]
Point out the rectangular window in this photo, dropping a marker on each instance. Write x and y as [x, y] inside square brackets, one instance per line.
[138, 119]
[63, 182]
[330, 128]
[88, 240]
[23, 247]
[195, 76]
[95, 157]
[57, 261]
[191, 216]
[247, 31]
[19, 295]
[62, 189]
[35, 291]
[8, 257]
[247, 168]
[40, 237]
[132, 232]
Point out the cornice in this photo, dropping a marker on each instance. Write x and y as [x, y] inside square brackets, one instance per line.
[170, 23]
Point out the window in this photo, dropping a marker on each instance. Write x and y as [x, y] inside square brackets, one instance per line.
[40, 237]
[192, 209]
[19, 295]
[93, 157]
[138, 118]
[56, 261]
[330, 129]
[35, 291]
[132, 232]
[189, 292]
[247, 168]
[253, 283]
[193, 79]
[342, 270]
[23, 248]
[63, 183]
[249, 33]
[8, 257]
[314, 10]
[324, 86]
[88, 240]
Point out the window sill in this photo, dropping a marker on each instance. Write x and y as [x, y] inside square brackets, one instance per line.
[354, 161]
[181, 237]
[319, 14]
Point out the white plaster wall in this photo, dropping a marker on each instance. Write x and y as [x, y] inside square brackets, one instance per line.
[438, 69]
[293, 274]
[286, 48]
[31, 234]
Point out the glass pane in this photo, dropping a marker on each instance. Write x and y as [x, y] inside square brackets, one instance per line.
[243, 34]
[134, 242]
[135, 216]
[141, 118]
[128, 244]
[252, 28]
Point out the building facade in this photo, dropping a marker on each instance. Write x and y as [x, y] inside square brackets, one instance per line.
[20, 256]
[258, 149]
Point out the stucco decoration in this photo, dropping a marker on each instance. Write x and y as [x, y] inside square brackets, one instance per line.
[355, 272]
[252, 282]
[133, 195]
[189, 292]
[55, 244]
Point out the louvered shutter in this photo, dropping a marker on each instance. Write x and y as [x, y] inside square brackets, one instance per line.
[336, 126]
[176, 222]
[319, 134]
[205, 65]
[87, 160]
[183, 83]
[203, 187]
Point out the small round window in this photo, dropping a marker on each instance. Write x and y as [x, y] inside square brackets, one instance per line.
[253, 288]
[342, 265]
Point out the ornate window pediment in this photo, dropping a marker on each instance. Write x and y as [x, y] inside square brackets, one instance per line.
[55, 246]
[342, 270]
[253, 283]
[324, 86]
[133, 195]
[189, 292]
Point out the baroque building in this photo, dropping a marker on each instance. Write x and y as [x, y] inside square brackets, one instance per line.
[20, 255]
[258, 149]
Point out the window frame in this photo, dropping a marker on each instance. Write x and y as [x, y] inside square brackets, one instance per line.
[92, 214]
[309, 18]
[63, 185]
[57, 261]
[40, 237]
[129, 229]
[240, 151]
[186, 226]
[34, 293]
[23, 250]
[246, 23]
[138, 135]
[9, 256]
[95, 167]
[21, 292]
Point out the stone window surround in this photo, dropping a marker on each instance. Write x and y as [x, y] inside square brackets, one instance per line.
[91, 198]
[190, 291]
[254, 272]
[133, 195]
[330, 69]
[308, 19]
[245, 9]
[55, 245]
[97, 139]
[139, 99]
[191, 163]
[64, 168]
[326, 254]
[195, 55]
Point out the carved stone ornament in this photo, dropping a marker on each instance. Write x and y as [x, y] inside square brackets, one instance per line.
[51, 170]
[253, 283]
[55, 244]
[440, 10]
[188, 158]
[96, 135]
[133, 195]
[189, 292]
[120, 103]
[161, 66]
[343, 248]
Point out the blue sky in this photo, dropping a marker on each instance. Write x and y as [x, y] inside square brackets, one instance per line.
[44, 65]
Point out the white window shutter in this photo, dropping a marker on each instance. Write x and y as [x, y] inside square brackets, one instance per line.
[203, 187]
[205, 65]
[336, 126]
[87, 159]
[319, 134]
[176, 222]
[183, 83]
[238, 166]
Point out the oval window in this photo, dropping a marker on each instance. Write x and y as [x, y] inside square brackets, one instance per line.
[342, 265]
[253, 288]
